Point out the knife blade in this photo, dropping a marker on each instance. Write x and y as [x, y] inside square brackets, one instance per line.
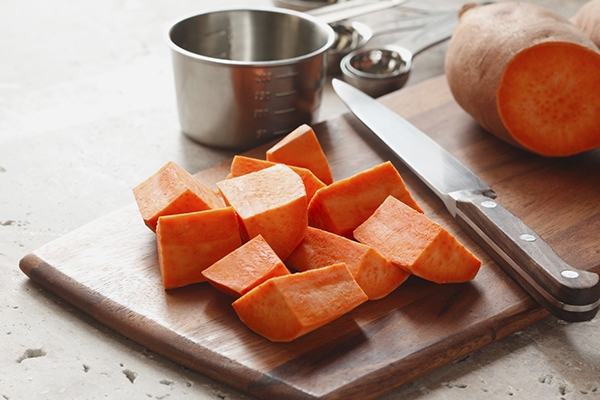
[568, 293]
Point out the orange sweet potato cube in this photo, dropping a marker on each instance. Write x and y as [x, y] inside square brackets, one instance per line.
[245, 268]
[418, 245]
[242, 165]
[342, 206]
[173, 190]
[301, 148]
[270, 202]
[284, 308]
[190, 243]
[375, 274]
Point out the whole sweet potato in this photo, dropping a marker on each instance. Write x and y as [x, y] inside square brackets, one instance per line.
[528, 76]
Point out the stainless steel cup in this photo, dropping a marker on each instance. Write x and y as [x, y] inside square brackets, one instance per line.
[246, 76]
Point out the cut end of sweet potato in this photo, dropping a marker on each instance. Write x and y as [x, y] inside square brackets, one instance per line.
[549, 98]
[528, 76]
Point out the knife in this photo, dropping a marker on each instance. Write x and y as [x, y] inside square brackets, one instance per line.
[570, 294]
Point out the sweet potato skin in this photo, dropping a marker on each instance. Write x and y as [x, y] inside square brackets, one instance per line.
[588, 20]
[485, 41]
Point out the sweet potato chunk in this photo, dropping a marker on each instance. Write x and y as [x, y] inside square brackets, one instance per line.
[301, 148]
[286, 307]
[270, 202]
[418, 245]
[245, 268]
[173, 190]
[244, 165]
[374, 273]
[190, 243]
[342, 206]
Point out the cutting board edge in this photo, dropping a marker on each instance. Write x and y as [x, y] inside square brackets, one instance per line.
[510, 321]
[178, 349]
[223, 369]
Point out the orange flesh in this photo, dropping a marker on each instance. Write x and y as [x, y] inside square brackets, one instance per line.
[173, 190]
[190, 243]
[286, 307]
[552, 91]
[342, 206]
[375, 274]
[270, 202]
[416, 244]
[245, 268]
[301, 148]
[244, 165]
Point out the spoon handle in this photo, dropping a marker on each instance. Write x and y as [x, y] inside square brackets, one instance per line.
[438, 30]
[335, 12]
[405, 23]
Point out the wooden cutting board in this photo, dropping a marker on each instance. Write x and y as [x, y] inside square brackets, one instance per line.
[109, 269]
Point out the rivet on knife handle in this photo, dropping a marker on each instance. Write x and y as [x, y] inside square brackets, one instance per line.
[569, 293]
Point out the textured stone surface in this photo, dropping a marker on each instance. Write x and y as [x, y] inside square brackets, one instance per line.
[87, 111]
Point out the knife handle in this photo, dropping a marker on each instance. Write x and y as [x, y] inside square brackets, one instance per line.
[568, 293]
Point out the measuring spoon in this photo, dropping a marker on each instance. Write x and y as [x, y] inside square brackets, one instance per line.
[380, 71]
[353, 35]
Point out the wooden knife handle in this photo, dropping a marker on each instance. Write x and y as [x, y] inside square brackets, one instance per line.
[568, 293]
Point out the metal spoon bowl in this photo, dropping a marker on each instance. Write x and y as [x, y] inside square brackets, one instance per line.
[353, 35]
[380, 71]
[382, 63]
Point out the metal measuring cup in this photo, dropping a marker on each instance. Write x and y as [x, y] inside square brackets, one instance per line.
[246, 76]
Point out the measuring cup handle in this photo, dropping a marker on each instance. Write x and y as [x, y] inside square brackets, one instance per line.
[432, 33]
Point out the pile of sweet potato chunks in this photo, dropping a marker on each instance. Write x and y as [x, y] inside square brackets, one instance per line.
[294, 248]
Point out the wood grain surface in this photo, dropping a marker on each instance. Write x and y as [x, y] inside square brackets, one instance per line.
[109, 269]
